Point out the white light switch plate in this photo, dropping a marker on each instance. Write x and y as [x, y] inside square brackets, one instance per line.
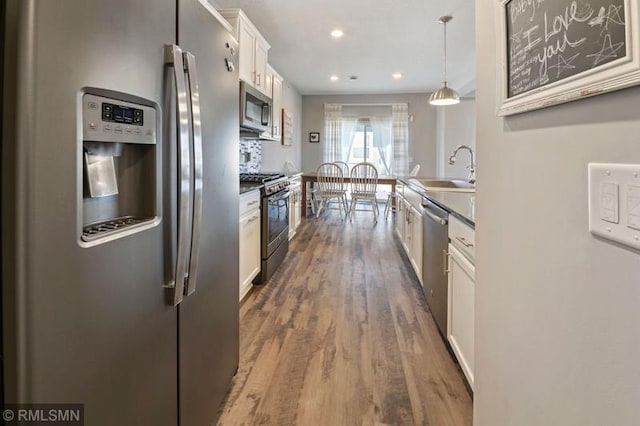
[614, 202]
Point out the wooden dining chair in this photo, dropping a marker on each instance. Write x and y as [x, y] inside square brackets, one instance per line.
[331, 187]
[364, 184]
[344, 166]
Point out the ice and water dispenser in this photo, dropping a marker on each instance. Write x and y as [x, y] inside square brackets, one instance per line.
[120, 166]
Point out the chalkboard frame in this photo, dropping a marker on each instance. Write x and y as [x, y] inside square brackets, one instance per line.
[621, 73]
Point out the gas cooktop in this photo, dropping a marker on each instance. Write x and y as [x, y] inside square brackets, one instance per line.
[273, 182]
[259, 177]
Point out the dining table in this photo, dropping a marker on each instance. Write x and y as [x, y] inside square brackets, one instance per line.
[312, 177]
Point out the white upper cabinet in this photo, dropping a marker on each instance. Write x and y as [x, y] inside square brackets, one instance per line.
[276, 116]
[253, 50]
[260, 66]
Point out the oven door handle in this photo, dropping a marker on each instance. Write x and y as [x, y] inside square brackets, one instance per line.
[282, 197]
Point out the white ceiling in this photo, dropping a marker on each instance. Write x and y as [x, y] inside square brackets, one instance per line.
[381, 37]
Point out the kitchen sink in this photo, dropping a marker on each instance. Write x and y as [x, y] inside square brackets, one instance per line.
[454, 185]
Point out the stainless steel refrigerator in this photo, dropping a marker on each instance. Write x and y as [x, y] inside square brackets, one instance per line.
[119, 208]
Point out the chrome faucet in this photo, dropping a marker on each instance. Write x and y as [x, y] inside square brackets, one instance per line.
[471, 167]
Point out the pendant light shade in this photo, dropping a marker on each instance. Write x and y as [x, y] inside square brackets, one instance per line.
[445, 95]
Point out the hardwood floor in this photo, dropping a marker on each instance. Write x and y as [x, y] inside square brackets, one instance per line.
[341, 335]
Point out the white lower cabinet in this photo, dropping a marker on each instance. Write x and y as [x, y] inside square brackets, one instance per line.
[400, 219]
[415, 222]
[295, 199]
[409, 229]
[249, 255]
[461, 296]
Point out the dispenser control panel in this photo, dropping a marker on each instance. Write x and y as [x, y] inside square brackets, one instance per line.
[112, 120]
[122, 114]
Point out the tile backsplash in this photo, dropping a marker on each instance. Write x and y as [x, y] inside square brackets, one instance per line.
[250, 155]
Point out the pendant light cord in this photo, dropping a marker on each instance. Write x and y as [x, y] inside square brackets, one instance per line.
[444, 77]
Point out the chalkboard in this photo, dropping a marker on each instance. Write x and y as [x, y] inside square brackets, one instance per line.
[551, 40]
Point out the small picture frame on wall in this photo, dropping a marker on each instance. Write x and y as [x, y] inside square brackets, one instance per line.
[314, 137]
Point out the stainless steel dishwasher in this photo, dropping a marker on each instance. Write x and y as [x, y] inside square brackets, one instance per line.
[434, 261]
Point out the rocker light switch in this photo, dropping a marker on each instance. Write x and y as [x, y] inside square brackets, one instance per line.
[609, 202]
[614, 202]
[633, 206]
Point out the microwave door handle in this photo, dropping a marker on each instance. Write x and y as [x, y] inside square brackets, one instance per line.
[196, 123]
[173, 58]
[265, 114]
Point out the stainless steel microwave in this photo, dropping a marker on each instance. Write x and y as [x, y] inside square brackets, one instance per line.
[255, 109]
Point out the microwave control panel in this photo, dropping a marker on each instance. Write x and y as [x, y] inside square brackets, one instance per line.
[111, 120]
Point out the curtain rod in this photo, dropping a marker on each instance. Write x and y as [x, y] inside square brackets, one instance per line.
[388, 104]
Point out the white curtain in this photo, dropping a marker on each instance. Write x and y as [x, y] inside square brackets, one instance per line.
[400, 118]
[332, 150]
[382, 137]
[349, 125]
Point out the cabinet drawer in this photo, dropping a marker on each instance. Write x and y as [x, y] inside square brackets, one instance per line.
[249, 201]
[463, 237]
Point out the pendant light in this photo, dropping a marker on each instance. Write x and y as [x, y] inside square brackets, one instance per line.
[444, 96]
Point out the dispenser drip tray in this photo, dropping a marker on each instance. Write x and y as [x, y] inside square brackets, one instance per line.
[112, 226]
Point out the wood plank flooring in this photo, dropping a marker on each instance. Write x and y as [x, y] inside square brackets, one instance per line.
[342, 335]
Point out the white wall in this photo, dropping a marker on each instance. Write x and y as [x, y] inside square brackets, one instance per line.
[274, 154]
[456, 126]
[557, 310]
[422, 130]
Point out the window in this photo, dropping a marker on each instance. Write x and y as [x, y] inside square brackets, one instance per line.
[378, 134]
[368, 144]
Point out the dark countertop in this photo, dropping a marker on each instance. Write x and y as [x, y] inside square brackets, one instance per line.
[459, 204]
[248, 187]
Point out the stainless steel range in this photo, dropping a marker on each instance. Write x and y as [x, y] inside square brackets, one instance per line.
[274, 243]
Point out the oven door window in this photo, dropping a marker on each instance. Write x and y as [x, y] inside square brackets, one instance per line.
[278, 206]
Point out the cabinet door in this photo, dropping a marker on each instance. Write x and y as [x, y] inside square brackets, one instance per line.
[246, 44]
[277, 107]
[400, 218]
[249, 250]
[297, 212]
[260, 68]
[416, 242]
[294, 210]
[268, 134]
[406, 236]
[293, 205]
[460, 318]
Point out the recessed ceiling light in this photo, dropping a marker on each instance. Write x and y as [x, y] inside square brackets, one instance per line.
[333, 78]
[397, 76]
[337, 33]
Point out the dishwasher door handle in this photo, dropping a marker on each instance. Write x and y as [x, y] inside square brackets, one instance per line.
[435, 218]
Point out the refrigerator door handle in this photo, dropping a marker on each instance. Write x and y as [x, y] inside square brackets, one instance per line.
[196, 123]
[173, 58]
